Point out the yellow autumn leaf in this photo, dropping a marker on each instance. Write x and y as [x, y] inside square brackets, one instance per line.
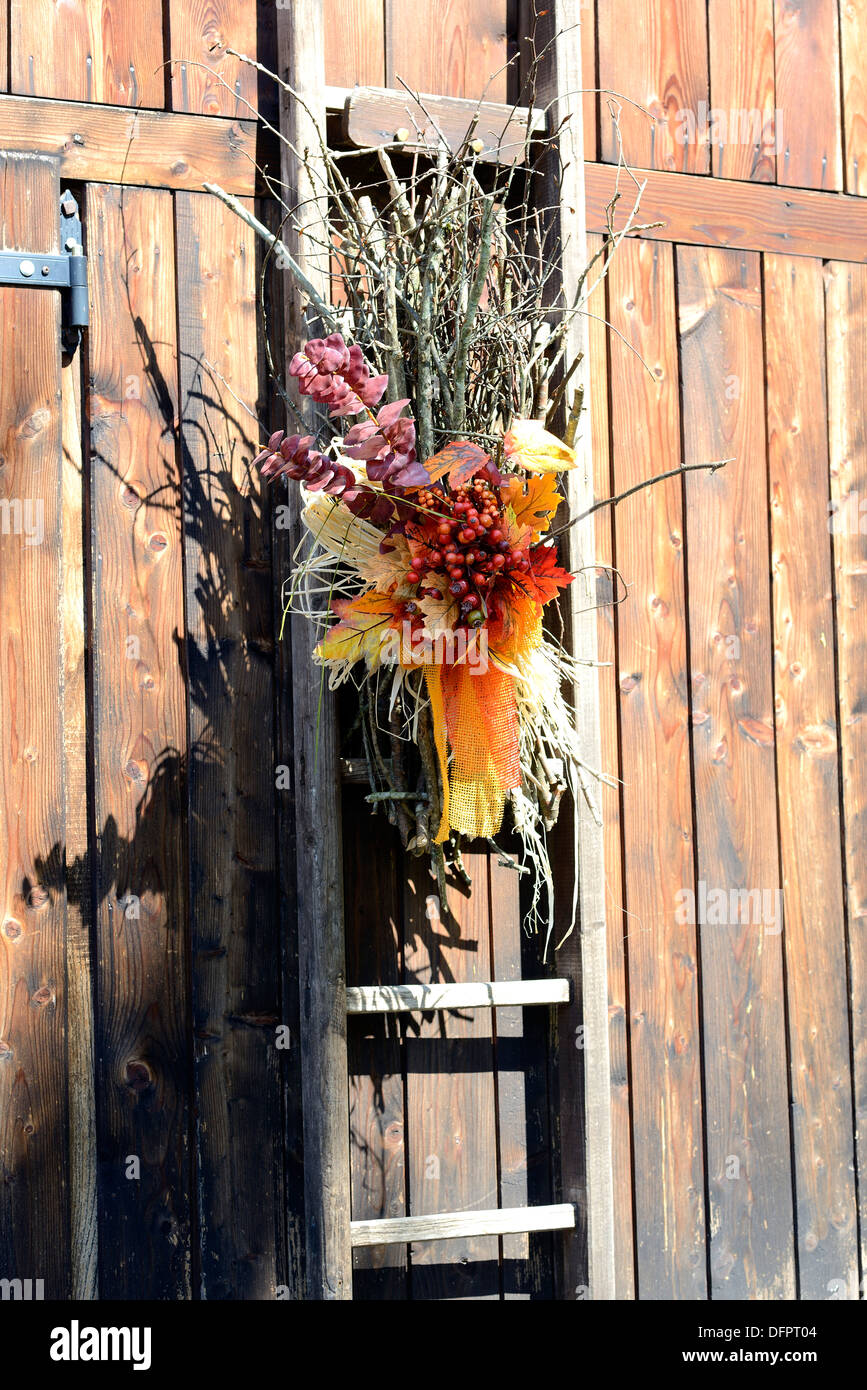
[529, 445]
[534, 506]
[363, 629]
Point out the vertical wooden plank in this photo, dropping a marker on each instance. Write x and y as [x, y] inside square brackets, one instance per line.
[807, 63]
[79, 970]
[454, 48]
[520, 1064]
[205, 79]
[657, 810]
[583, 1068]
[853, 45]
[34, 1164]
[654, 52]
[4, 47]
[140, 749]
[235, 941]
[373, 869]
[610, 588]
[88, 50]
[846, 321]
[590, 98]
[451, 1119]
[321, 949]
[807, 781]
[746, 1082]
[742, 132]
[355, 43]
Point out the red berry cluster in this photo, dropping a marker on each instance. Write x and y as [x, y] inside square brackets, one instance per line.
[466, 539]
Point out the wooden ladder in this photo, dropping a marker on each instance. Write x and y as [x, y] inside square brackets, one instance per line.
[498, 1221]
[370, 116]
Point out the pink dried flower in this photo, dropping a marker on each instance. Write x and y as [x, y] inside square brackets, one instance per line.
[388, 448]
[336, 375]
[292, 457]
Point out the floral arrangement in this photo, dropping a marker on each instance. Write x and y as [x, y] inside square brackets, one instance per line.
[437, 576]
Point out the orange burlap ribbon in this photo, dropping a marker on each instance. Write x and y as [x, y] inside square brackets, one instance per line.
[478, 716]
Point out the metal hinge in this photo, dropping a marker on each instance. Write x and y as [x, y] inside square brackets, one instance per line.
[66, 272]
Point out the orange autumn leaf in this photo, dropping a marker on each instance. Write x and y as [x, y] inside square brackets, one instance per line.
[364, 624]
[533, 501]
[462, 460]
[545, 577]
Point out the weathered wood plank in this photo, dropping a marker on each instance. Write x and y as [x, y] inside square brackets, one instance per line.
[807, 781]
[743, 134]
[664, 69]
[853, 45]
[372, 871]
[716, 212]
[87, 50]
[589, 80]
[846, 321]
[389, 999]
[583, 1069]
[521, 1064]
[156, 149]
[319, 857]
[375, 115]
[657, 812]
[450, 1100]
[204, 78]
[34, 1163]
[139, 749]
[609, 588]
[456, 47]
[355, 43]
[79, 971]
[235, 989]
[807, 68]
[746, 1072]
[4, 47]
[460, 1225]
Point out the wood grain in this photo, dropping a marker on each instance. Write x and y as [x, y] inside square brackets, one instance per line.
[717, 212]
[4, 47]
[654, 52]
[355, 43]
[853, 45]
[450, 1097]
[610, 795]
[373, 867]
[589, 81]
[742, 90]
[205, 79]
[79, 971]
[139, 748]
[807, 61]
[321, 944]
[375, 115]
[846, 337]
[88, 50]
[665, 1047]
[149, 148]
[459, 1225]
[807, 780]
[455, 48]
[520, 1063]
[235, 989]
[746, 1073]
[34, 1162]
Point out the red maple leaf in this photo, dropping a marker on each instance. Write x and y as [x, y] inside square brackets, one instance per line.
[545, 577]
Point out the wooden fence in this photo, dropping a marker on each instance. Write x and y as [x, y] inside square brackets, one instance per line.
[150, 1111]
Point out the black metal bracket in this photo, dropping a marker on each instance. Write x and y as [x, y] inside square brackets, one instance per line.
[66, 272]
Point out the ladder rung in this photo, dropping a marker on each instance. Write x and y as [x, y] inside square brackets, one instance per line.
[450, 1225]
[395, 999]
